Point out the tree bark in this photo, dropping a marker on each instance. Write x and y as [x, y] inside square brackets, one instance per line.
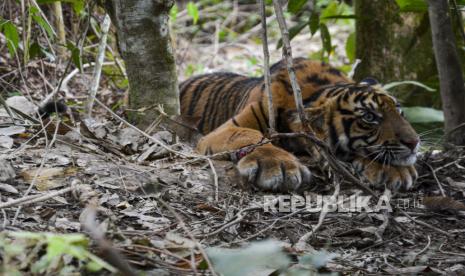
[145, 45]
[391, 45]
[450, 72]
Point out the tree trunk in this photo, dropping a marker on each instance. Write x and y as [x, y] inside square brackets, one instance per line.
[395, 46]
[145, 45]
[450, 71]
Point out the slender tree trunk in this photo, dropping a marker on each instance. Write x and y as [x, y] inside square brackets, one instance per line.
[450, 72]
[145, 45]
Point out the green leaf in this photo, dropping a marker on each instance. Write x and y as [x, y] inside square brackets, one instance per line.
[78, 6]
[34, 50]
[254, 259]
[325, 38]
[293, 31]
[412, 5]
[350, 47]
[193, 11]
[418, 114]
[42, 22]
[391, 85]
[11, 34]
[314, 22]
[317, 259]
[331, 10]
[294, 6]
[75, 55]
[174, 13]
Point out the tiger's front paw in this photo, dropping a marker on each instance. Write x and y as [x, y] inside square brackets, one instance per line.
[273, 169]
[392, 177]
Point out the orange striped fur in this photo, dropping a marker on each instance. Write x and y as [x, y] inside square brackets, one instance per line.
[361, 122]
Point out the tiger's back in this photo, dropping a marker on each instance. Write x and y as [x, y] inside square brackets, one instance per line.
[362, 124]
[215, 98]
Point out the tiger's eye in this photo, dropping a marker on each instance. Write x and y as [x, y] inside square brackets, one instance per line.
[369, 117]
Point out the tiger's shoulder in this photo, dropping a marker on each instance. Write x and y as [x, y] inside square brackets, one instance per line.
[214, 98]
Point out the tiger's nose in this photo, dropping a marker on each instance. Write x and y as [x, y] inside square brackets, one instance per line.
[411, 143]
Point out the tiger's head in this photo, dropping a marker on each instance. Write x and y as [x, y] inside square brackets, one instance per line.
[363, 120]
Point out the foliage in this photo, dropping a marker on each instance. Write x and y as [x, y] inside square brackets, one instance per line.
[417, 5]
[47, 253]
[11, 34]
[264, 257]
[418, 114]
[391, 85]
[193, 11]
[324, 12]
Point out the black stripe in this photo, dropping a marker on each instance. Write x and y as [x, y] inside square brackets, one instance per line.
[256, 118]
[211, 97]
[334, 71]
[285, 82]
[234, 121]
[344, 111]
[359, 97]
[313, 97]
[314, 78]
[222, 104]
[260, 105]
[196, 95]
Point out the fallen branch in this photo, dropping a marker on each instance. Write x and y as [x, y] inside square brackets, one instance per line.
[26, 200]
[301, 243]
[108, 253]
[191, 236]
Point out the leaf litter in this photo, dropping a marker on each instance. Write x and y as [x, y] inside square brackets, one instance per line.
[132, 181]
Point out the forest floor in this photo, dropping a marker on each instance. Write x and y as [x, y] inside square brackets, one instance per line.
[156, 205]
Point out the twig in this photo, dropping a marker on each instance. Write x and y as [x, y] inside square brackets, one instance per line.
[287, 56]
[423, 250]
[425, 224]
[66, 79]
[386, 216]
[98, 65]
[266, 68]
[300, 245]
[215, 178]
[108, 253]
[239, 217]
[26, 200]
[191, 236]
[42, 162]
[437, 180]
[7, 108]
[163, 145]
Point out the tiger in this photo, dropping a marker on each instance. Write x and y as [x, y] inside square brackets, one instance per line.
[363, 125]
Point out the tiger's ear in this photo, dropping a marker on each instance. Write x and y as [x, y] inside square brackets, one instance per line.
[369, 81]
[315, 116]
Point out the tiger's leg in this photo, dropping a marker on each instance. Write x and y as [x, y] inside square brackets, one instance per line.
[268, 167]
[392, 177]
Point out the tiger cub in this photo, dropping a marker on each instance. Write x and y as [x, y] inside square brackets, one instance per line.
[361, 122]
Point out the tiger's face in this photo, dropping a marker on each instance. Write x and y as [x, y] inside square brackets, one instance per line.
[365, 121]
[361, 121]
